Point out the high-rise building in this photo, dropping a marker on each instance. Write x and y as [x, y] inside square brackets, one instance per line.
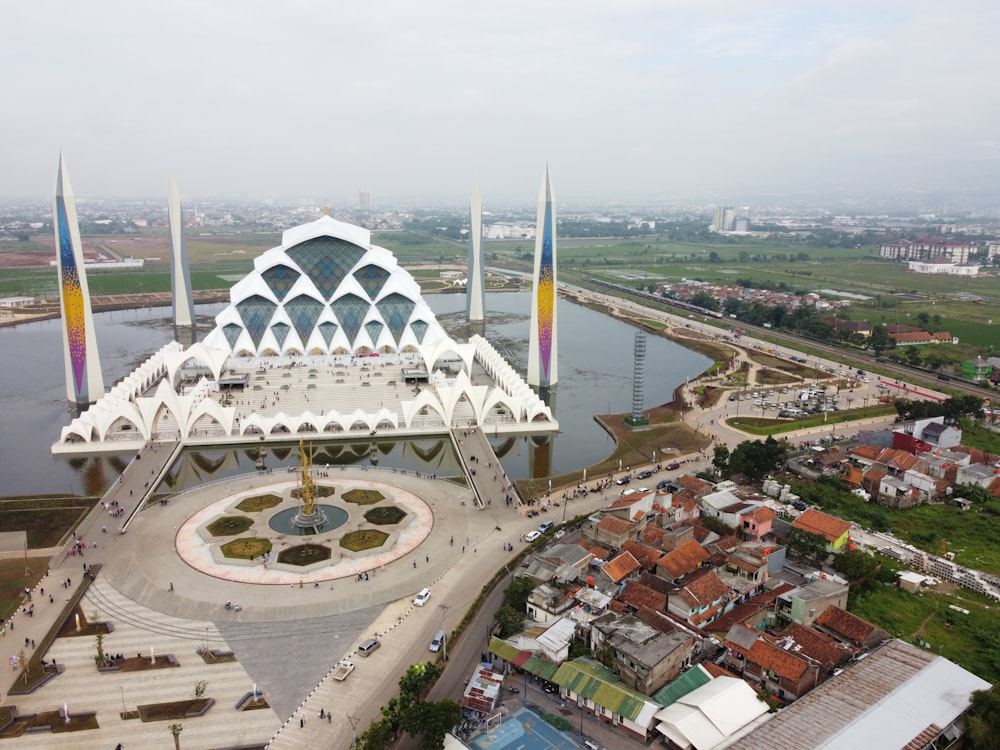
[180, 271]
[84, 381]
[475, 287]
[364, 201]
[542, 340]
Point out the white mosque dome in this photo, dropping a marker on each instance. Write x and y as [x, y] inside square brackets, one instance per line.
[325, 290]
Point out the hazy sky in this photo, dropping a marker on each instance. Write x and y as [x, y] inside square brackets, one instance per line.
[626, 99]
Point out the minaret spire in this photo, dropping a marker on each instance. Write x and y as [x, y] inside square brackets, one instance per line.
[84, 380]
[542, 342]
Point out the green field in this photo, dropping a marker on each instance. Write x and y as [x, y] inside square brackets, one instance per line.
[972, 640]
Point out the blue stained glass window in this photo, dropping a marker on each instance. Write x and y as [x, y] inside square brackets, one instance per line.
[256, 312]
[395, 310]
[280, 279]
[326, 261]
[328, 331]
[280, 331]
[232, 331]
[374, 328]
[350, 311]
[304, 312]
[419, 329]
[372, 278]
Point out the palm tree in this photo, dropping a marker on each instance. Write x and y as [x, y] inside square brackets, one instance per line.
[175, 730]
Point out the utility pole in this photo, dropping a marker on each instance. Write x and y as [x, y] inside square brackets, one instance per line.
[354, 719]
[445, 608]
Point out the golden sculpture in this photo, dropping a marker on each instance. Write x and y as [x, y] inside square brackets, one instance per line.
[308, 488]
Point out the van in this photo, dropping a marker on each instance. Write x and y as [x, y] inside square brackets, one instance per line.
[545, 526]
[438, 641]
[366, 648]
[591, 745]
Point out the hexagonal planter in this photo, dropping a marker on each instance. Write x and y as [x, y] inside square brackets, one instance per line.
[363, 497]
[357, 541]
[229, 525]
[321, 491]
[257, 503]
[246, 549]
[304, 554]
[386, 515]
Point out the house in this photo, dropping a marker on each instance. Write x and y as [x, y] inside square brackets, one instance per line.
[548, 602]
[756, 523]
[550, 641]
[981, 474]
[758, 657]
[823, 649]
[638, 595]
[716, 503]
[621, 567]
[831, 528]
[644, 658]
[599, 692]
[977, 369]
[562, 562]
[679, 562]
[849, 628]
[700, 598]
[614, 531]
[807, 602]
[646, 556]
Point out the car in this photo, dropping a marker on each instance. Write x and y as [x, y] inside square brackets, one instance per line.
[623, 480]
[673, 465]
[532, 536]
[422, 597]
[545, 526]
[550, 688]
[366, 648]
[663, 484]
[438, 641]
[644, 474]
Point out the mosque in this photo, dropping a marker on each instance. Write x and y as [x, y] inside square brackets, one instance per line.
[328, 336]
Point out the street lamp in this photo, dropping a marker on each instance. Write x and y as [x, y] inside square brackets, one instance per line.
[122, 689]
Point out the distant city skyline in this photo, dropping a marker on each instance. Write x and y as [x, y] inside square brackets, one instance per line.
[635, 101]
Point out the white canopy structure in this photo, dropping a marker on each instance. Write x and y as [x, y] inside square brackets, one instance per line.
[709, 714]
[328, 299]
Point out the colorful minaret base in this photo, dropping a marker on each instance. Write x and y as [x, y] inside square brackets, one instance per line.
[542, 348]
[84, 381]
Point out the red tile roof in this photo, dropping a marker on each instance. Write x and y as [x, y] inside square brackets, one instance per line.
[786, 665]
[647, 557]
[652, 535]
[830, 653]
[704, 590]
[844, 624]
[615, 526]
[683, 560]
[817, 522]
[761, 514]
[621, 566]
[638, 595]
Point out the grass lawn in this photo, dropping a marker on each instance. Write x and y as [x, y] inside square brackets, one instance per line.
[172, 710]
[258, 503]
[246, 549]
[229, 525]
[363, 497]
[13, 580]
[356, 541]
[48, 520]
[972, 641]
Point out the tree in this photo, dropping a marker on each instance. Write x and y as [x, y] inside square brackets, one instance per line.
[508, 621]
[880, 340]
[982, 723]
[855, 565]
[175, 730]
[720, 459]
[923, 318]
[431, 721]
[377, 737]
[806, 543]
[912, 356]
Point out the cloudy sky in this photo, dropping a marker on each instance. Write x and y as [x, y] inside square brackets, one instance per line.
[626, 99]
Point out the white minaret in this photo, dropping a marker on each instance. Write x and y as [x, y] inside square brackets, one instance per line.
[84, 381]
[475, 288]
[180, 272]
[543, 370]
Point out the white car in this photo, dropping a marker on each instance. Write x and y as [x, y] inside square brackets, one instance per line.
[532, 536]
[422, 597]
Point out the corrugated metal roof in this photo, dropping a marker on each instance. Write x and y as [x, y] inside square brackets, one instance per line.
[598, 684]
[884, 700]
[693, 678]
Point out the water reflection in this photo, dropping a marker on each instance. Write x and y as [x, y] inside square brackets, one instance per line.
[595, 368]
